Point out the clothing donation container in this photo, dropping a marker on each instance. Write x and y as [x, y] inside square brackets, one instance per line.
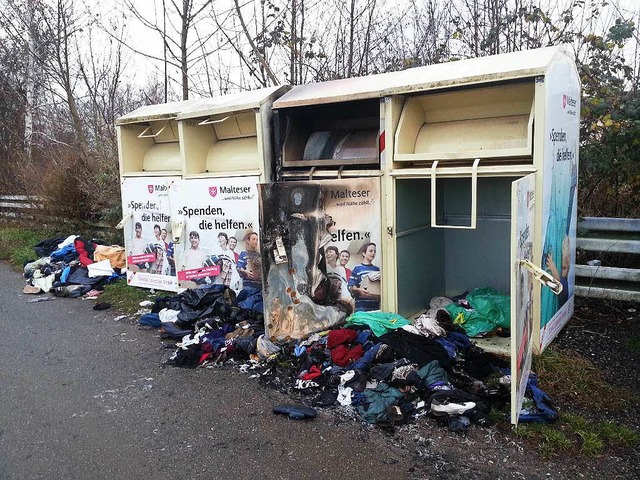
[150, 163]
[321, 220]
[481, 188]
[227, 151]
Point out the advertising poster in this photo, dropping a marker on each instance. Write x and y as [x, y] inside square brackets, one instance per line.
[523, 202]
[148, 245]
[559, 211]
[321, 253]
[219, 243]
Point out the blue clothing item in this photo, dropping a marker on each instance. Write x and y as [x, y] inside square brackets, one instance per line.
[250, 298]
[65, 275]
[150, 320]
[244, 259]
[544, 410]
[171, 330]
[448, 346]
[460, 340]
[367, 359]
[357, 275]
[363, 336]
[299, 350]
[64, 254]
[454, 342]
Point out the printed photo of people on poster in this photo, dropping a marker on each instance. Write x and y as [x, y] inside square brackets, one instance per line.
[220, 242]
[559, 210]
[148, 245]
[320, 248]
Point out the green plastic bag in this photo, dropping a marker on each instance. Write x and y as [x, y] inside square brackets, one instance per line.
[491, 310]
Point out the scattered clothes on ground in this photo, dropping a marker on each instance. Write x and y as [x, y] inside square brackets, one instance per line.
[381, 365]
[67, 269]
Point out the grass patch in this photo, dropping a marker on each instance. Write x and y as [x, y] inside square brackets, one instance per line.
[496, 415]
[551, 440]
[575, 433]
[16, 244]
[592, 444]
[127, 298]
[568, 376]
[617, 435]
[597, 436]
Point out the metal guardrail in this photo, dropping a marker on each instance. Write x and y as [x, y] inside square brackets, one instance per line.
[19, 206]
[604, 236]
[30, 207]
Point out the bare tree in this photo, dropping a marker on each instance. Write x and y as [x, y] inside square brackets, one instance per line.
[177, 24]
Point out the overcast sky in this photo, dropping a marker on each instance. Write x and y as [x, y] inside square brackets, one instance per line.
[150, 42]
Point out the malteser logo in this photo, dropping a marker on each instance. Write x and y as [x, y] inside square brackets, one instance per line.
[568, 101]
[157, 188]
[213, 191]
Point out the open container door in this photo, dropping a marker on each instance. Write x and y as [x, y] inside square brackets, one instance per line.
[522, 283]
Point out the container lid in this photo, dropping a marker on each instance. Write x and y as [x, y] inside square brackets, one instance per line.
[507, 66]
[235, 102]
[161, 111]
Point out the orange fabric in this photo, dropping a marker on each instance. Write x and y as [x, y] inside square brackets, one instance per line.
[114, 253]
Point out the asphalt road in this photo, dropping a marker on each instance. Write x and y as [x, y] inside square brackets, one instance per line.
[83, 396]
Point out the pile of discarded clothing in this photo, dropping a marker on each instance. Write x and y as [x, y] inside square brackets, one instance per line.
[380, 364]
[72, 267]
[212, 325]
[389, 370]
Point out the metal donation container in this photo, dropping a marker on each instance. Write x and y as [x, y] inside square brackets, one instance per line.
[482, 185]
[321, 219]
[227, 149]
[472, 188]
[150, 163]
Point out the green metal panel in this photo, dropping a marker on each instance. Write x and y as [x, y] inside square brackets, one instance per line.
[480, 257]
[420, 248]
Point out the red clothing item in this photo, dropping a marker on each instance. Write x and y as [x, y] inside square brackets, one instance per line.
[338, 337]
[343, 356]
[314, 372]
[83, 256]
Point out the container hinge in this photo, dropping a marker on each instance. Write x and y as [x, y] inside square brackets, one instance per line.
[210, 121]
[543, 277]
[125, 219]
[145, 133]
[390, 231]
